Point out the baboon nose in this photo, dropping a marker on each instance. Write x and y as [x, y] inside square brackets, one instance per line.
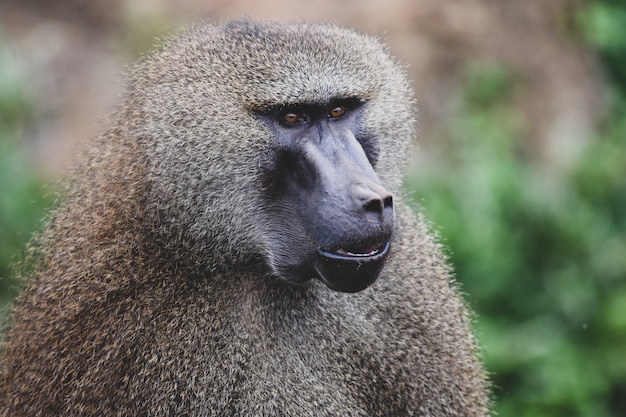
[378, 205]
[374, 198]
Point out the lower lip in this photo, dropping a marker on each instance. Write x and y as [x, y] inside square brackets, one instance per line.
[347, 256]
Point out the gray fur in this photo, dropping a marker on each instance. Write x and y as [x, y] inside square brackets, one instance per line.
[155, 293]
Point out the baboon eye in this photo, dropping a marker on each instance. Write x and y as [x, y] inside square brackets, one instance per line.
[291, 118]
[337, 111]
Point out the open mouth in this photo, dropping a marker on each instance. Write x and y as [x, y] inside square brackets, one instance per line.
[371, 252]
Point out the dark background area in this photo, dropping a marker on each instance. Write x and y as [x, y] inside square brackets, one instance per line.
[520, 160]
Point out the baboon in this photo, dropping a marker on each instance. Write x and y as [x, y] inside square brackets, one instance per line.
[237, 244]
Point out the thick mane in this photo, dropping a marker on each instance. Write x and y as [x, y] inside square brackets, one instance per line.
[237, 244]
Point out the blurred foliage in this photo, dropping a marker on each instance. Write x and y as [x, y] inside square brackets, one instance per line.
[22, 196]
[604, 25]
[145, 32]
[540, 254]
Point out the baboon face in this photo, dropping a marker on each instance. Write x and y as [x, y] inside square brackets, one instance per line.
[282, 143]
[320, 179]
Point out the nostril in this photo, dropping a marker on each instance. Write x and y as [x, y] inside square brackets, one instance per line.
[375, 205]
[371, 198]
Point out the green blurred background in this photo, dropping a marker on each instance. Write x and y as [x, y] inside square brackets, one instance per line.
[539, 248]
[541, 255]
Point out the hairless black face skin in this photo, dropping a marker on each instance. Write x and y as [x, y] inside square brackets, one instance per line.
[332, 218]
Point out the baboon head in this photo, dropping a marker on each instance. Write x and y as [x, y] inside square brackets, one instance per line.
[276, 143]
